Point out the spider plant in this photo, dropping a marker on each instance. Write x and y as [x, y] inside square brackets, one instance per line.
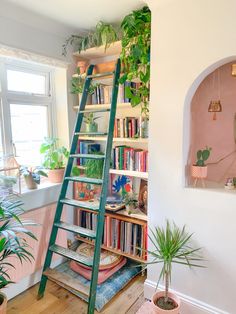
[13, 242]
[172, 245]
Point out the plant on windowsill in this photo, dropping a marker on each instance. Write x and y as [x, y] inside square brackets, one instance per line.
[91, 125]
[55, 158]
[172, 245]
[32, 176]
[13, 241]
[199, 170]
[131, 202]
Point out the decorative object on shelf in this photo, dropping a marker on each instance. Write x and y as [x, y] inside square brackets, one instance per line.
[91, 125]
[144, 127]
[103, 34]
[135, 55]
[82, 65]
[13, 235]
[230, 183]
[143, 196]
[215, 106]
[94, 167]
[86, 191]
[32, 176]
[54, 159]
[171, 245]
[131, 202]
[121, 184]
[199, 170]
[10, 176]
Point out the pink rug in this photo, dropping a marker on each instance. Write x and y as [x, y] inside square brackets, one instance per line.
[146, 308]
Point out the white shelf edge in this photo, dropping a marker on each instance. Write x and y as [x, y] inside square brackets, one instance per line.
[115, 139]
[137, 174]
[122, 105]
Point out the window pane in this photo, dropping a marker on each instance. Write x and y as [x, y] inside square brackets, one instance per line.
[29, 127]
[26, 82]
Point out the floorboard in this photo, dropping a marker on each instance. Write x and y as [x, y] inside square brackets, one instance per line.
[59, 301]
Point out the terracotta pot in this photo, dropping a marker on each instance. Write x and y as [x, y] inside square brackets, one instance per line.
[31, 184]
[56, 175]
[82, 65]
[199, 172]
[3, 305]
[158, 310]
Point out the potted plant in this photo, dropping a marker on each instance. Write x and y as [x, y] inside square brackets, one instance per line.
[199, 170]
[54, 159]
[172, 245]
[90, 125]
[32, 176]
[13, 242]
[131, 202]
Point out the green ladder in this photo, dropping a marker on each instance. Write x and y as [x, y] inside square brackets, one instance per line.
[100, 208]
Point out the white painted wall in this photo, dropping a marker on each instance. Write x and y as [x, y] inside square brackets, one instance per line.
[188, 36]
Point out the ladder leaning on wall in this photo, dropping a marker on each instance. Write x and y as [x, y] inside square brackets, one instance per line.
[100, 208]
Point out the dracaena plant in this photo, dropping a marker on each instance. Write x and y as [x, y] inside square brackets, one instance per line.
[13, 236]
[172, 245]
[54, 157]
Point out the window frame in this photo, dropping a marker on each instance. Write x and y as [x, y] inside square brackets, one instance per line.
[23, 98]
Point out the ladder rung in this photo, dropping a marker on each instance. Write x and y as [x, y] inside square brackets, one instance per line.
[92, 76]
[88, 156]
[95, 110]
[91, 133]
[83, 204]
[76, 229]
[71, 255]
[85, 180]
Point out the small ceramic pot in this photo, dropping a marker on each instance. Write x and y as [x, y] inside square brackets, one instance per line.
[158, 310]
[199, 172]
[144, 127]
[3, 305]
[31, 184]
[91, 128]
[82, 65]
[56, 175]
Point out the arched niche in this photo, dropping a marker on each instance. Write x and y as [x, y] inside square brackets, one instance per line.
[200, 130]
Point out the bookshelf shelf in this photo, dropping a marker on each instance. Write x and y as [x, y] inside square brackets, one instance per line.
[123, 105]
[115, 139]
[137, 174]
[99, 52]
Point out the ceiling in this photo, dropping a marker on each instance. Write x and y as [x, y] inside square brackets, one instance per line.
[78, 14]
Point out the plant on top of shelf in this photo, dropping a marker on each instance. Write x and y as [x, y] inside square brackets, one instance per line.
[55, 158]
[171, 245]
[131, 202]
[135, 56]
[199, 169]
[90, 122]
[103, 34]
[32, 176]
[13, 241]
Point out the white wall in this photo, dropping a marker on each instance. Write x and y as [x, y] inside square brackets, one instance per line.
[188, 36]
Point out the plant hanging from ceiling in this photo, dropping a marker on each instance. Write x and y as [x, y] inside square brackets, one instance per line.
[135, 56]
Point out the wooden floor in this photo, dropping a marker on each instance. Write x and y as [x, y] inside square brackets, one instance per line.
[59, 301]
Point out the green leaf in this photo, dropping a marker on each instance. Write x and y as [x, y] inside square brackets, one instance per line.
[135, 101]
[128, 92]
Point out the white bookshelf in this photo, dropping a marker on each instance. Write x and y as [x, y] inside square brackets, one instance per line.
[115, 139]
[136, 174]
[124, 105]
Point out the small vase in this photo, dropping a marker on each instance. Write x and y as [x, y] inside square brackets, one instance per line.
[158, 310]
[30, 183]
[144, 127]
[91, 128]
[199, 172]
[3, 305]
[56, 175]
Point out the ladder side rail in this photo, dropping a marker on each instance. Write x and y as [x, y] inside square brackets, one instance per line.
[101, 214]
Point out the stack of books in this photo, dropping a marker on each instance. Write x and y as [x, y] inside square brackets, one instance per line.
[125, 236]
[129, 158]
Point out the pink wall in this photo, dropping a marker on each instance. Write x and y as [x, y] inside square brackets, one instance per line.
[43, 216]
[219, 85]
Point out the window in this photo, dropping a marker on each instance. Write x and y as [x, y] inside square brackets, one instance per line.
[26, 105]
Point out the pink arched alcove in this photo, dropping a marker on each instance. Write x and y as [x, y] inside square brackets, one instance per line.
[217, 134]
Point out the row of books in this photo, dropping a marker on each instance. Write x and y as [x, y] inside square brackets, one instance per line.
[129, 158]
[118, 234]
[86, 147]
[128, 127]
[103, 93]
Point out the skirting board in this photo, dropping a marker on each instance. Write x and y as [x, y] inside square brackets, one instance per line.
[188, 305]
[27, 282]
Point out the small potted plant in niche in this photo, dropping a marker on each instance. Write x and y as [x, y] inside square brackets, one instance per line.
[54, 159]
[172, 245]
[131, 202]
[32, 176]
[13, 241]
[199, 170]
[90, 125]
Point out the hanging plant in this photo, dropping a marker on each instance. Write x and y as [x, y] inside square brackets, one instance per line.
[103, 34]
[135, 56]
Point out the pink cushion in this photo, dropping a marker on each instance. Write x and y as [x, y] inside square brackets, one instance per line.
[103, 275]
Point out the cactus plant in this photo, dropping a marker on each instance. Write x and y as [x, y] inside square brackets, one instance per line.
[202, 156]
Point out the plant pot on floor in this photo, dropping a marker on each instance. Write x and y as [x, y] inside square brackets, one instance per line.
[30, 183]
[56, 175]
[3, 303]
[158, 310]
[91, 128]
[199, 172]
